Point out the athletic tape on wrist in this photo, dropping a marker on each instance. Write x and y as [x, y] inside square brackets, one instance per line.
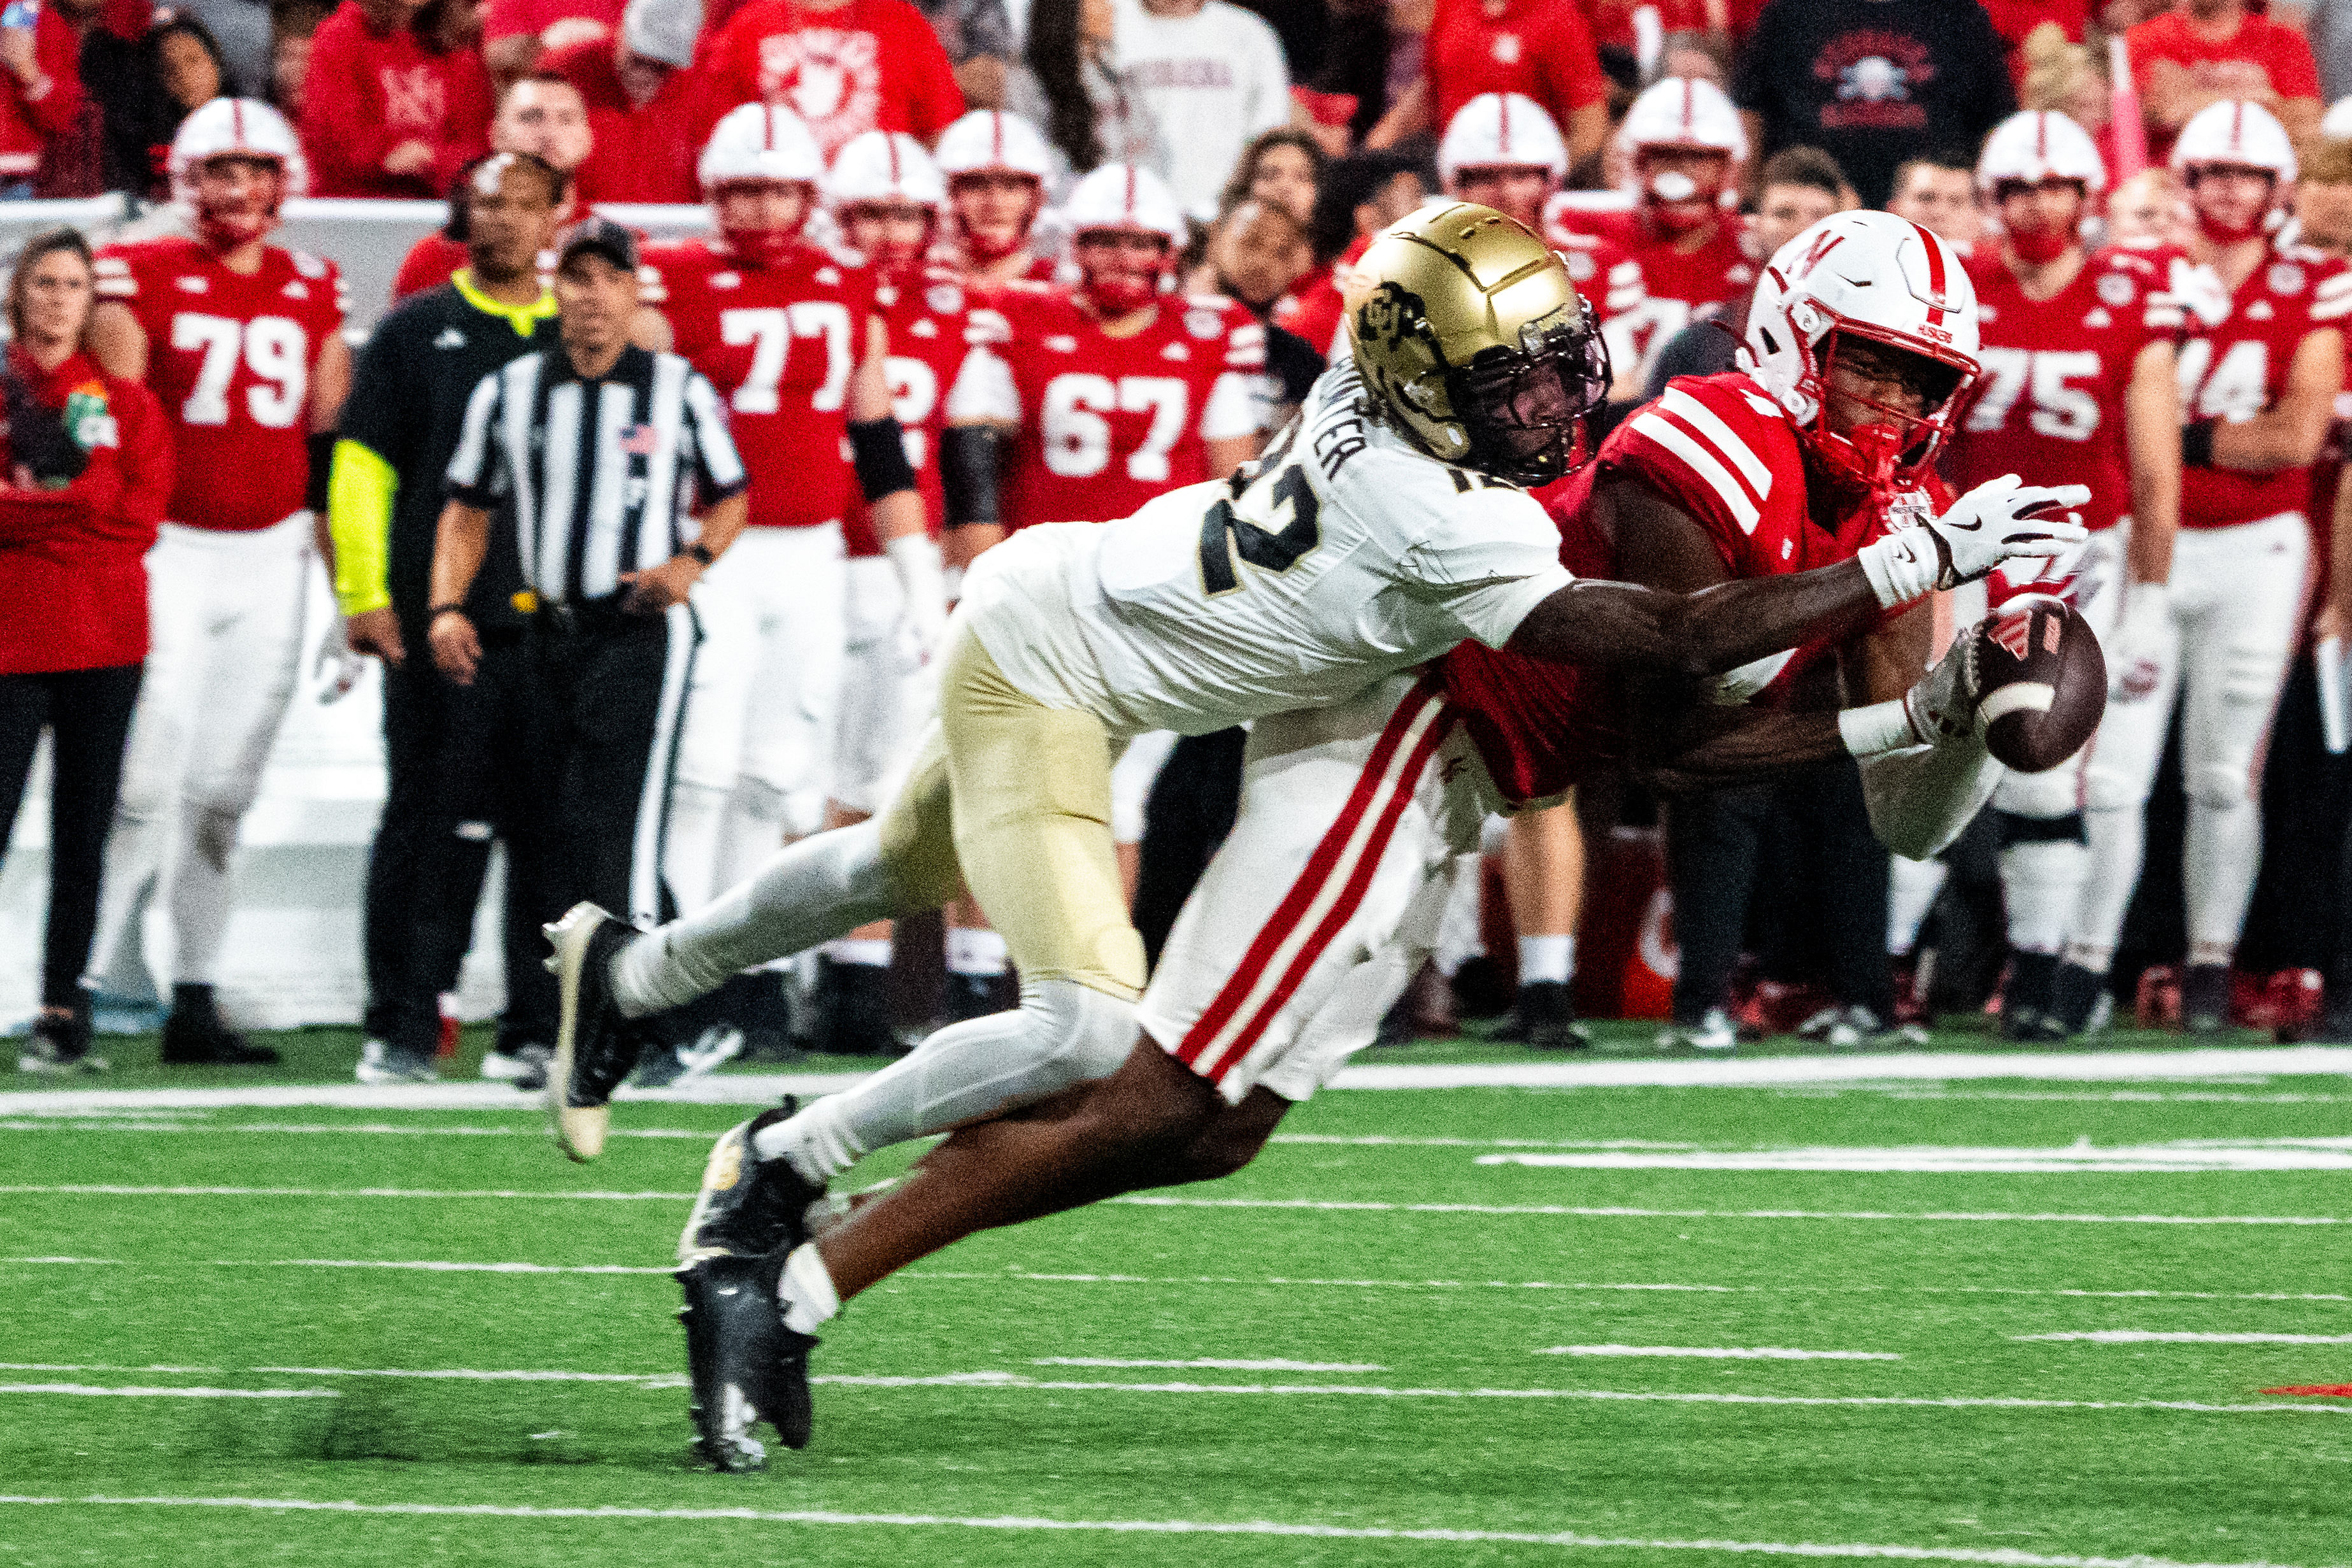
[1901, 567]
[1876, 729]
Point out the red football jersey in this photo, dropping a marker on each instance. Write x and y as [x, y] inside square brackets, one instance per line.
[1108, 423]
[1699, 282]
[2050, 402]
[779, 343]
[2239, 369]
[929, 319]
[1722, 452]
[229, 358]
[1611, 281]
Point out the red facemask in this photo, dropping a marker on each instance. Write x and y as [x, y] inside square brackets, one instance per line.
[2227, 233]
[226, 224]
[986, 249]
[1122, 285]
[760, 247]
[1678, 203]
[891, 256]
[2036, 246]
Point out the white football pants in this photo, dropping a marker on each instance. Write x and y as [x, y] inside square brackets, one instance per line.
[225, 629]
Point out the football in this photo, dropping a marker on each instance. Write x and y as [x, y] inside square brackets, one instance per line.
[2042, 682]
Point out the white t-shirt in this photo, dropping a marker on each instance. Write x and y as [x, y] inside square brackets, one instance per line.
[1351, 555]
[1211, 81]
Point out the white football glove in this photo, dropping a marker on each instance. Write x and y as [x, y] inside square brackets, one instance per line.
[2141, 647]
[1942, 707]
[1989, 525]
[924, 620]
[337, 667]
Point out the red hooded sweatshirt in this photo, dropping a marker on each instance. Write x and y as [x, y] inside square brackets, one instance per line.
[370, 91]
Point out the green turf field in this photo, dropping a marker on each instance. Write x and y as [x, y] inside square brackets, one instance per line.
[376, 1335]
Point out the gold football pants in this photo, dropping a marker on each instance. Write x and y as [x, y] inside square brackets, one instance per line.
[1011, 799]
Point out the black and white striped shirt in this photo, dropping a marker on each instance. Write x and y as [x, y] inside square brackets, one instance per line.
[600, 474]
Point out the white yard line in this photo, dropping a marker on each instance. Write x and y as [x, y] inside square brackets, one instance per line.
[2167, 1337]
[108, 1190]
[1997, 1557]
[1721, 1353]
[89, 1388]
[765, 1088]
[2311, 1154]
[1212, 1364]
[1569, 1211]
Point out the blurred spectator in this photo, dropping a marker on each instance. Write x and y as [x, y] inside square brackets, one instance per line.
[388, 111]
[1358, 197]
[73, 159]
[1872, 82]
[2323, 199]
[2330, 32]
[1257, 253]
[88, 472]
[144, 86]
[978, 38]
[540, 115]
[2146, 206]
[289, 53]
[1538, 48]
[1939, 195]
[2202, 52]
[242, 32]
[644, 114]
[40, 95]
[1211, 75]
[1280, 169]
[845, 67]
[1069, 86]
[516, 32]
[1637, 45]
[2072, 79]
[2018, 20]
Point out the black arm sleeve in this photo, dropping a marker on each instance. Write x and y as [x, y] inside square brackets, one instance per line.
[968, 474]
[322, 461]
[879, 451]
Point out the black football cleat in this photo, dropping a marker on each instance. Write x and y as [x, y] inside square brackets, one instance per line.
[747, 1208]
[596, 1047]
[744, 1365]
[2205, 998]
[1546, 1018]
[193, 1034]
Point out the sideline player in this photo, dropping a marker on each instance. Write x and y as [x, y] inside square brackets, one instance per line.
[2077, 354]
[888, 197]
[996, 166]
[1368, 799]
[241, 341]
[787, 333]
[2259, 378]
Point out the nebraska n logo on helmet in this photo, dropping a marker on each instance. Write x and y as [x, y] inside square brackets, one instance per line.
[1475, 344]
[756, 153]
[1883, 283]
[232, 163]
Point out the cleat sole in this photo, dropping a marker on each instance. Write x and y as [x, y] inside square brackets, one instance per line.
[579, 1129]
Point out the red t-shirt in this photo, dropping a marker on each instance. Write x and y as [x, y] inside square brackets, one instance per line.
[368, 92]
[229, 357]
[1539, 47]
[505, 18]
[2280, 51]
[28, 124]
[638, 155]
[73, 571]
[780, 345]
[870, 65]
[2239, 369]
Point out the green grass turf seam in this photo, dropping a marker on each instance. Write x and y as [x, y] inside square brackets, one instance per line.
[1997, 1557]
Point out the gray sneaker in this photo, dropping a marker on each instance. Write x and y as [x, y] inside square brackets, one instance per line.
[1712, 1035]
[525, 1067]
[383, 1064]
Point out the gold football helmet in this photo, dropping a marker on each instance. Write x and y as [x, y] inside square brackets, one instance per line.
[1470, 335]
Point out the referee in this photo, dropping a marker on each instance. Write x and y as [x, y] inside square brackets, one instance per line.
[452, 756]
[598, 451]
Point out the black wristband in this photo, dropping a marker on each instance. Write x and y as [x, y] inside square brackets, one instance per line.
[2196, 444]
[968, 474]
[322, 446]
[441, 610]
[701, 552]
[879, 452]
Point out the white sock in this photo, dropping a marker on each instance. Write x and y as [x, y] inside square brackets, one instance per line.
[977, 952]
[698, 814]
[816, 1142]
[2041, 887]
[805, 1289]
[1911, 888]
[874, 953]
[1543, 958]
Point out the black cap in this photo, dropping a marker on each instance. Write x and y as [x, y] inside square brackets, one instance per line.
[604, 237]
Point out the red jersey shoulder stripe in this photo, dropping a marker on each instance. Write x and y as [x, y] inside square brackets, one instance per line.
[1696, 451]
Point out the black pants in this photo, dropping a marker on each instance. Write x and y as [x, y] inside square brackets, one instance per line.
[1808, 836]
[458, 773]
[610, 700]
[89, 712]
[1186, 817]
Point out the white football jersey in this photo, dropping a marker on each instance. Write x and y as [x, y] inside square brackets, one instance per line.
[1343, 555]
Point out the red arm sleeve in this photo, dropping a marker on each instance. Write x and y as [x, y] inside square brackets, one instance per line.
[465, 135]
[59, 50]
[146, 459]
[934, 101]
[344, 137]
[1572, 75]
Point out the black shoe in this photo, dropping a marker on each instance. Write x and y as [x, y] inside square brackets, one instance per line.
[747, 1208]
[1478, 989]
[195, 1034]
[1545, 1018]
[970, 997]
[60, 1044]
[596, 1047]
[2027, 996]
[2205, 998]
[2074, 995]
[852, 1004]
[745, 1366]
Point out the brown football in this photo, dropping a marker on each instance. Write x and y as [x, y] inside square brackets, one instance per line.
[2042, 682]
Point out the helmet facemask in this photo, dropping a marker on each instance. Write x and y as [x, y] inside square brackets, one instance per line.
[878, 230]
[2231, 224]
[2038, 241]
[1682, 187]
[1121, 270]
[979, 199]
[236, 198]
[1524, 411]
[1886, 442]
[751, 215]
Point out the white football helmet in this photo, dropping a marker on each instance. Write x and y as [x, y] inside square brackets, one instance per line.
[2038, 145]
[886, 166]
[1879, 279]
[989, 139]
[760, 142]
[1122, 196]
[235, 127]
[1501, 130]
[2234, 131]
[1684, 112]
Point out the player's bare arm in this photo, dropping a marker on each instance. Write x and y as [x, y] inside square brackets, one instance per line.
[2288, 434]
[117, 342]
[2151, 425]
